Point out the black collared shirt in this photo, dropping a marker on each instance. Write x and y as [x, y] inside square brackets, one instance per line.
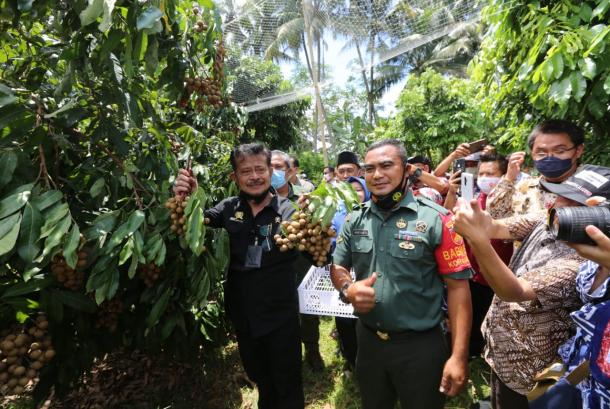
[258, 300]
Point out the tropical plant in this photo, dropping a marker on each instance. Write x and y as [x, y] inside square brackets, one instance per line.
[95, 118]
[547, 59]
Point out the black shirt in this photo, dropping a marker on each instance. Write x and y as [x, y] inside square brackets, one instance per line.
[258, 300]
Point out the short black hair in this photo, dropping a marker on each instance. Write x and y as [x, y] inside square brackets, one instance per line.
[249, 149]
[500, 159]
[575, 132]
[402, 152]
[295, 161]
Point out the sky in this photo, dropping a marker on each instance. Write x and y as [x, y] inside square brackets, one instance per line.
[342, 65]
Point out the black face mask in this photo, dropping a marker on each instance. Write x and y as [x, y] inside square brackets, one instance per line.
[255, 198]
[389, 201]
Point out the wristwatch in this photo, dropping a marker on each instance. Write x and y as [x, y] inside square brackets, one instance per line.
[343, 293]
[416, 174]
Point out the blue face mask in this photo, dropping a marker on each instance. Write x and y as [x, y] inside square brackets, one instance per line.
[278, 179]
[553, 167]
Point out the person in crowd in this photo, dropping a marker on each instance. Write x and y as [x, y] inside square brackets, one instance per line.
[347, 165]
[529, 316]
[460, 152]
[426, 184]
[310, 324]
[490, 170]
[260, 296]
[346, 327]
[556, 146]
[402, 249]
[303, 185]
[329, 174]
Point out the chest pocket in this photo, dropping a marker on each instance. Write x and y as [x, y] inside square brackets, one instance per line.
[362, 244]
[406, 249]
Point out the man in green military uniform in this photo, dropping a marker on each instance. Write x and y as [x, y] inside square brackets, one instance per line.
[402, 250]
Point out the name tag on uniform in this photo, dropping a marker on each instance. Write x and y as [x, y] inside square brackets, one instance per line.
[361, 232]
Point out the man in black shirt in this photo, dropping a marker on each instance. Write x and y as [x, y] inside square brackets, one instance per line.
[260, 296]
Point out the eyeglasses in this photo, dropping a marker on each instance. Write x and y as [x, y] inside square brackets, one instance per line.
[539, 155]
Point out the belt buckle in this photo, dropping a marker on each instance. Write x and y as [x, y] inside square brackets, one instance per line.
[383, 335]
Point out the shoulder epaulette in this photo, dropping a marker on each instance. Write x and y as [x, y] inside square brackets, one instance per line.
[427, 202]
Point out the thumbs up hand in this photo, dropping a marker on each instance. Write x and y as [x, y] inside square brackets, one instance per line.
[362, 294]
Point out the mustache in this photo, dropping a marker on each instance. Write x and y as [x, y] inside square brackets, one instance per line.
[257, 182]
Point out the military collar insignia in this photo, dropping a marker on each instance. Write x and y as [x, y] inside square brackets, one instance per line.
[401, 223]
[239, 216]
[421, 226]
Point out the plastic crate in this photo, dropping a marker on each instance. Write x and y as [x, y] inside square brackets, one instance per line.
[317, 295]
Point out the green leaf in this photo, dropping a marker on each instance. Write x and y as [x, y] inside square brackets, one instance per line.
[14, 202]
[148, 18]
[561, 91]
[71, 246]
[97, 187]
[24, 5]
[75, 300]
[133, 266]
[129, 227]
[601, 8]
[107, 20]
[52, 216]
[8, 223]
[557, 62]
[8, 163]
[102, 225]
[579, 85]
[194, 230]
[588, 68]
[607, 85]
[158, 309]
[47, 199]
[54, 238]
[27, 288]
[126, 251]
[92, 12]
[7, 242]
[6, 96]
[30, 232]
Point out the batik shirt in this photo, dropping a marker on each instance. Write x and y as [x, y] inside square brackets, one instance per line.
[522, 337]
[514, 199]
[578, 348]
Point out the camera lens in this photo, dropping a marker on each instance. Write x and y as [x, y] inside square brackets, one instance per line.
[568, 223]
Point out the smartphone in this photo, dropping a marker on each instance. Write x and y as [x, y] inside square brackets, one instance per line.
[467, 186]
[459, 165]
[477, 145]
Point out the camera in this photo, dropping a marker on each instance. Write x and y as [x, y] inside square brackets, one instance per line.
[568, 223]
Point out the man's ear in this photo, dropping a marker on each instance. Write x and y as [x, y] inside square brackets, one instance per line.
[580, 150]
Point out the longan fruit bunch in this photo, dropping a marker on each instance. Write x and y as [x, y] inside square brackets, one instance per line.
[304, 234]
[208, 90]
[219, 62]
[150, 273]
[200, 26]
[23, 352]
[72, 279]
[108, 314]
[176, 206]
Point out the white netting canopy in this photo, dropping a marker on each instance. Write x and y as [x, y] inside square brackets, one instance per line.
[363, 33]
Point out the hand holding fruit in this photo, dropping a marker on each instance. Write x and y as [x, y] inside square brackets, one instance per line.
[185, 183]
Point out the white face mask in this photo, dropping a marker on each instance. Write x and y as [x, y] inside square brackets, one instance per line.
[487, 183]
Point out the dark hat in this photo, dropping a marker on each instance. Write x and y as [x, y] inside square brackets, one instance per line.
[419, 159]
[347, 157]
[588, 181]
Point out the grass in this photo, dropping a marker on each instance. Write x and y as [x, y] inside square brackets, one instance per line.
[335, 390]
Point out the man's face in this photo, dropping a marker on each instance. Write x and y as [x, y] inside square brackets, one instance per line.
[359, 190]
[489, 169]
[278, 163]
[345, 170]
[384, 170]
[558, 145]
[253, 175]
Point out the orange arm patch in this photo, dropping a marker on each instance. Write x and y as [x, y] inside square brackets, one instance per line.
[451, 254]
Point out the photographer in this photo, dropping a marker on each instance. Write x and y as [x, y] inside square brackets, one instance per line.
[529, 317]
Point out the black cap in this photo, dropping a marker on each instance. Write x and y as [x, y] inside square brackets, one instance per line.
[347, 157]
[419, 159]
[588, 181]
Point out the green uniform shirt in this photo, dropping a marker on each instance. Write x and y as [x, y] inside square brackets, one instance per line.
[411, 248]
